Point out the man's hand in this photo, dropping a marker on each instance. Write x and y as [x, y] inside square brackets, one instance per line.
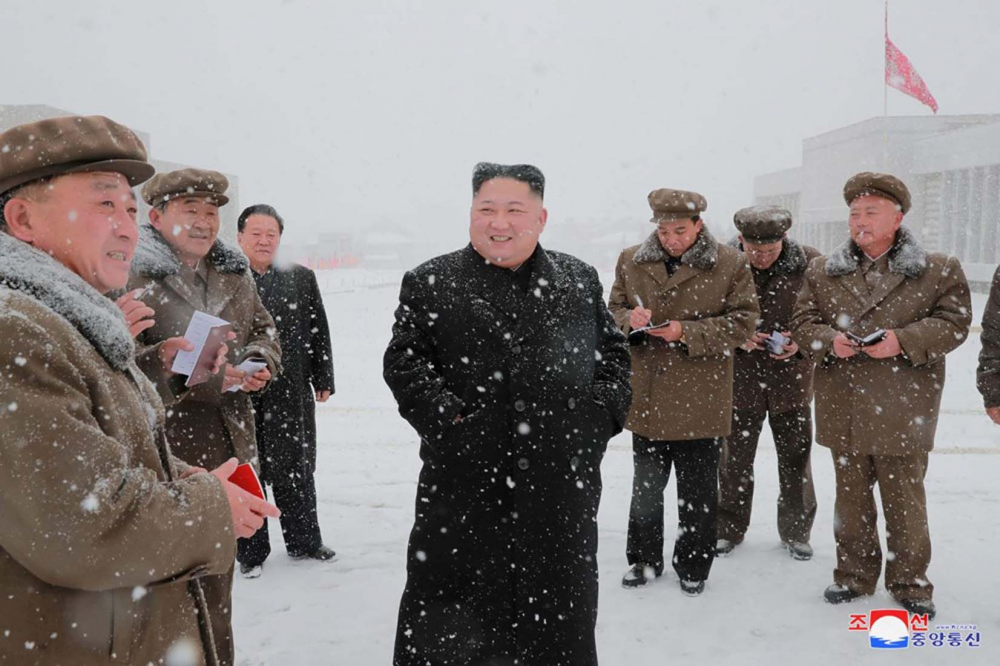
[755, 342]
[247, 511]
[994, 414]
[888, 348]
[234, 377]
[843, 347]
[640, 317]
[322, 396]
[191, 471]
[672, 332]
[791, 348]
[169, 349]
[138, 315]
[256, 381]
[220, 356]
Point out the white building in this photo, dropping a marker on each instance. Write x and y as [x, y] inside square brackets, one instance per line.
[951, 165]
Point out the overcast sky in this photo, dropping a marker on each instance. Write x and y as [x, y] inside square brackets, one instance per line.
[348, 114]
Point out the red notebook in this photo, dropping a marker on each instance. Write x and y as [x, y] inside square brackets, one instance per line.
[246, 478]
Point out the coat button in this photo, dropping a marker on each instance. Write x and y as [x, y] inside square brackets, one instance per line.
[571, 403]
[574, 462]
[523, 463]
[516, 349]
[567, 345]
[520, 405]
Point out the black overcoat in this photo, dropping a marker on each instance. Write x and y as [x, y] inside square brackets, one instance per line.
[285, 414]
[502, 558]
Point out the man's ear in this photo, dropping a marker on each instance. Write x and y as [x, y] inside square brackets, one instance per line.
[155, 218]
[20, 220]
[542, 219]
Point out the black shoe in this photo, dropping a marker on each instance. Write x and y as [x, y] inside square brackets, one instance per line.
[919, 607]
[799, 550]
[323, 554]
[692, 588]
[639, 574]
[724, 546]
[251, 570]
[839, 594]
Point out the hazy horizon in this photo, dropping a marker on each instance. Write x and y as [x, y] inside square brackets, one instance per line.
[347, 115]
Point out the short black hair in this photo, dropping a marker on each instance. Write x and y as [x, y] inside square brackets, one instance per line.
[526, 173]
[260, 209]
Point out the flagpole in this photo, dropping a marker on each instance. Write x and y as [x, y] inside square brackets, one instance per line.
[885, 93]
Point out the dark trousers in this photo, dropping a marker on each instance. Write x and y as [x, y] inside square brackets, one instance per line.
[697, 464]
[796, 498]
[295, 495]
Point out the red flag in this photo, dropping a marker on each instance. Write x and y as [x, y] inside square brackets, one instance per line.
[901, 75]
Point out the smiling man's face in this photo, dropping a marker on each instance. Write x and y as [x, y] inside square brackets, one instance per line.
[507, 219]
[85, 221]
[189, 224]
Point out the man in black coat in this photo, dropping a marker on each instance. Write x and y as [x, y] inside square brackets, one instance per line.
[285, 415]
[508, 365]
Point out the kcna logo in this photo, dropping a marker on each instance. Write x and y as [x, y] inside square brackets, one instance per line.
[895, 628]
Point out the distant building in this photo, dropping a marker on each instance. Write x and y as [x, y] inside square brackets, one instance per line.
[951, 165]
[18, 114]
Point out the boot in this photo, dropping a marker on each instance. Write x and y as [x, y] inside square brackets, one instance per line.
[640, 574]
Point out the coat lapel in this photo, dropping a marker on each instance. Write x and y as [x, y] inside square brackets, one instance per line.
[658, 271]
[485, 290]
[885, 287]
[683, 273]
[545, 296]
[855, 283]
[220, 290]
[184, 290]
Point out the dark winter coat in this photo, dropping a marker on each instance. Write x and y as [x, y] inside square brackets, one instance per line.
[685, 390]
[988, 372]
[285, 414]
[99, 544]
[205, 426]
[502, 557]
[886, 406]
[763, 384]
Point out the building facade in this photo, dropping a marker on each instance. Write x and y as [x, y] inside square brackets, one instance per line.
[950, 163]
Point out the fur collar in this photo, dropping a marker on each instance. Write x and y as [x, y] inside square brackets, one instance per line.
[702, 255]
[791, 261]
[37, 275]
[154, 258]
[906, 257]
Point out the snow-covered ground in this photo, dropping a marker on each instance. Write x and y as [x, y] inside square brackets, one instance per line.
[759, 605]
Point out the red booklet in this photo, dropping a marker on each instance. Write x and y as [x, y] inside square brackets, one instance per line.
[246, 478]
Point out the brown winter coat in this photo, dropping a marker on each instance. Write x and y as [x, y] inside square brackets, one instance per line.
[205, 426]
[685, 390]
[98, 546]
[764, 384]
[882, 406]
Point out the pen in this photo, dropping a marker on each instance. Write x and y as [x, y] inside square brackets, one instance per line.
[639, 301]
